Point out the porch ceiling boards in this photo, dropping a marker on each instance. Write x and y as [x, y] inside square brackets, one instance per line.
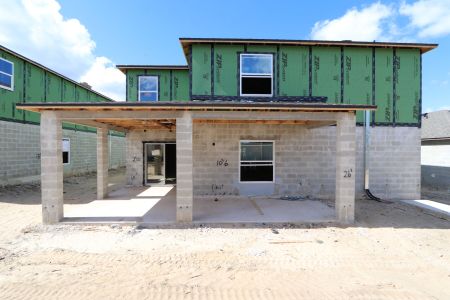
[141, 124]
[137, 124]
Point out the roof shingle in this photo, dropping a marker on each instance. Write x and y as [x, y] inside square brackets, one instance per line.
[436, 125]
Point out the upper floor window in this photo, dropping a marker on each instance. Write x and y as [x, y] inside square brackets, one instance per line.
[256, 74]
[148, 88]
[6, 74]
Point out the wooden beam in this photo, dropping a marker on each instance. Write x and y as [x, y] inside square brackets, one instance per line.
[268, 115]
[118, 114]
[96, 124]
[320, 124]
[267, 122]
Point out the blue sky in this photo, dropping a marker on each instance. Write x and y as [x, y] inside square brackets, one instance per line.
[147, 32]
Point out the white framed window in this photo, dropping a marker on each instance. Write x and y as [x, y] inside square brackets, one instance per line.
[256, 75]
[6, 74]
[256, 161]
[66, 151]
[148, 88]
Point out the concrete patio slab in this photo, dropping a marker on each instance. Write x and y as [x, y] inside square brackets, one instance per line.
[260, 210]
[440, 208]
[157, 205]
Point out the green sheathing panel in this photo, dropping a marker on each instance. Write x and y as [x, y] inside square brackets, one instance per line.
[262, 49]
[384, 85]
[96, 98]
[68, 95]
[82, 95]
[68, 91]
[34, 89]
[326, 73]
[201, 70]
[407, 101]
[358, 78]
[294, 71]
[34, 84]
[180, 85]
[226, 69]
[53, 90]
[132, 84]
[164, 85]
[8, 98]
[267, 49]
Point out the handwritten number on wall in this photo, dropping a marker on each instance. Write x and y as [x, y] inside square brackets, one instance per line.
[222, 162]
[348, 173]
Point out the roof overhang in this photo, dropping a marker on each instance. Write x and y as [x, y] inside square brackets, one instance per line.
[186, 42]
[193, 105]
[123, 116]
[124, 68]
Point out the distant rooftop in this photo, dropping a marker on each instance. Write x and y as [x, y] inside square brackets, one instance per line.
[436, 125]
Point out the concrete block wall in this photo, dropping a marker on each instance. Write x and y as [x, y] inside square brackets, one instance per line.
[117, 152]
[20, 151]
[305, 161]
[394, 162]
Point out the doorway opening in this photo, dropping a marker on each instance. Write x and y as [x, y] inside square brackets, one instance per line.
[160, 163]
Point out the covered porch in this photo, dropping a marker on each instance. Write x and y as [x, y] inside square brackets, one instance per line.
[180, 204]
[156, 205]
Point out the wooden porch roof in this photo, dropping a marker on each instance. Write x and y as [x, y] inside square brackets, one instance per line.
[164, 113]
[193, 106]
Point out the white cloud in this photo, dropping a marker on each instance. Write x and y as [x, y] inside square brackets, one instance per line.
[404, 22]
[430, 17]
[366, 24]
[106, 78]
[38, 30]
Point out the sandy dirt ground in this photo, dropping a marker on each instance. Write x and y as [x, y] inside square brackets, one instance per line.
[394, 251]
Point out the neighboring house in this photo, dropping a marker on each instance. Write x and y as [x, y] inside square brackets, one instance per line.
[25, 81]
[436, 149]
[250, 117]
